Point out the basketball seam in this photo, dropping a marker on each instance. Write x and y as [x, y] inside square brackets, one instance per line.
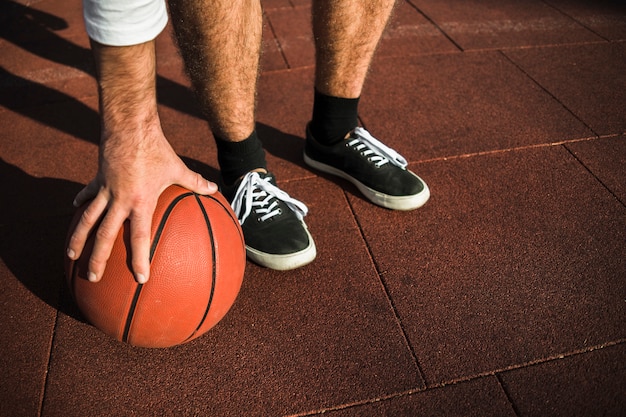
[73, 274]
[228, 211]
[155, 241]
[214, 268]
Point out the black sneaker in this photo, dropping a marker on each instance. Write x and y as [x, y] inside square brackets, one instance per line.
[378, 171]
[272, 222]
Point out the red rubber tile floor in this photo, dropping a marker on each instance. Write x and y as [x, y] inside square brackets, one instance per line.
[503, 296]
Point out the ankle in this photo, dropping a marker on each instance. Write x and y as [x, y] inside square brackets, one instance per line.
[236, 159]
[333, 118]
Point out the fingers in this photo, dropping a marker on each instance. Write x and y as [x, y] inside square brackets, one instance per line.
[106, 234]
[86, 194]
[91, 215]
[140, 231]
[105, 238]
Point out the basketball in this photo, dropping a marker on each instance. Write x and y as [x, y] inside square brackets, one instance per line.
[197, 263]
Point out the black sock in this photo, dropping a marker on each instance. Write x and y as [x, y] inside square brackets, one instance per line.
[238, 158]
[333, 117]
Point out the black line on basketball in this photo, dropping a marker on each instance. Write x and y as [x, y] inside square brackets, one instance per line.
[157, 236]
[213, 261]
[131, 312]
[73, 273]
[230, 213]
[166, 214]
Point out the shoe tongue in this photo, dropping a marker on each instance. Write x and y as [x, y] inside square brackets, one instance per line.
[229, 190]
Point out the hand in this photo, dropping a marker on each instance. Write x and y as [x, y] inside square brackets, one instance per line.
[132, 174]
[136, 161]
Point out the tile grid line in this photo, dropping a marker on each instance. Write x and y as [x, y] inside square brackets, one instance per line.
[571, 152]
[420, 372]
[564, 144]
[538, 84]
[547, 3]
[441, 385]
[496, 151]
[534, 362]
[498, 373]
[276, 41]
[42, 398]
[381, 279]
[432, 22]
[509, 398]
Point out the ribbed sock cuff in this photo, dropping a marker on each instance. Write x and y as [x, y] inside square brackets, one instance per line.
[333, 117]
[238, 158]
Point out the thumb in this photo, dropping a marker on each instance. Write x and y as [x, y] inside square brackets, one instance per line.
[197, 183]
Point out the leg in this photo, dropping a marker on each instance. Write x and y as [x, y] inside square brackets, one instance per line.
[346, 35]
[220, 42]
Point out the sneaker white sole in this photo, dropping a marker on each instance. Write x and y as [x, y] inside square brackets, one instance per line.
[404, 203]
[287, 261]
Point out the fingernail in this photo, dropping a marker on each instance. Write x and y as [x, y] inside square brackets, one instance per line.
[141, 278]
[92, 277]
[71, 254]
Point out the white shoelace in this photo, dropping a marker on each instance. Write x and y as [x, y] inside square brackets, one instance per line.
[376, 151]
[256, 193]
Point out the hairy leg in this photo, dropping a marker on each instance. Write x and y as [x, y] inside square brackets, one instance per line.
[346, 35]
[220, 41]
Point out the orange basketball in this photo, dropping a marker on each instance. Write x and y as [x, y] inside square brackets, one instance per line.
[197, 267]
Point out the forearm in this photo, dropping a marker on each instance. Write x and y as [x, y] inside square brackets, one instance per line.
[127, 89]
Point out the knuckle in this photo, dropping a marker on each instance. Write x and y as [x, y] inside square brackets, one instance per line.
[75, 240]
[138, 265]
[96, 265]
[106, 233]
[198, 180]
[143, 233]
[89, 216]
[140, 200]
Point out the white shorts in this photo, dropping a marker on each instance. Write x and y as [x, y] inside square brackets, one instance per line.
[124, 22]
